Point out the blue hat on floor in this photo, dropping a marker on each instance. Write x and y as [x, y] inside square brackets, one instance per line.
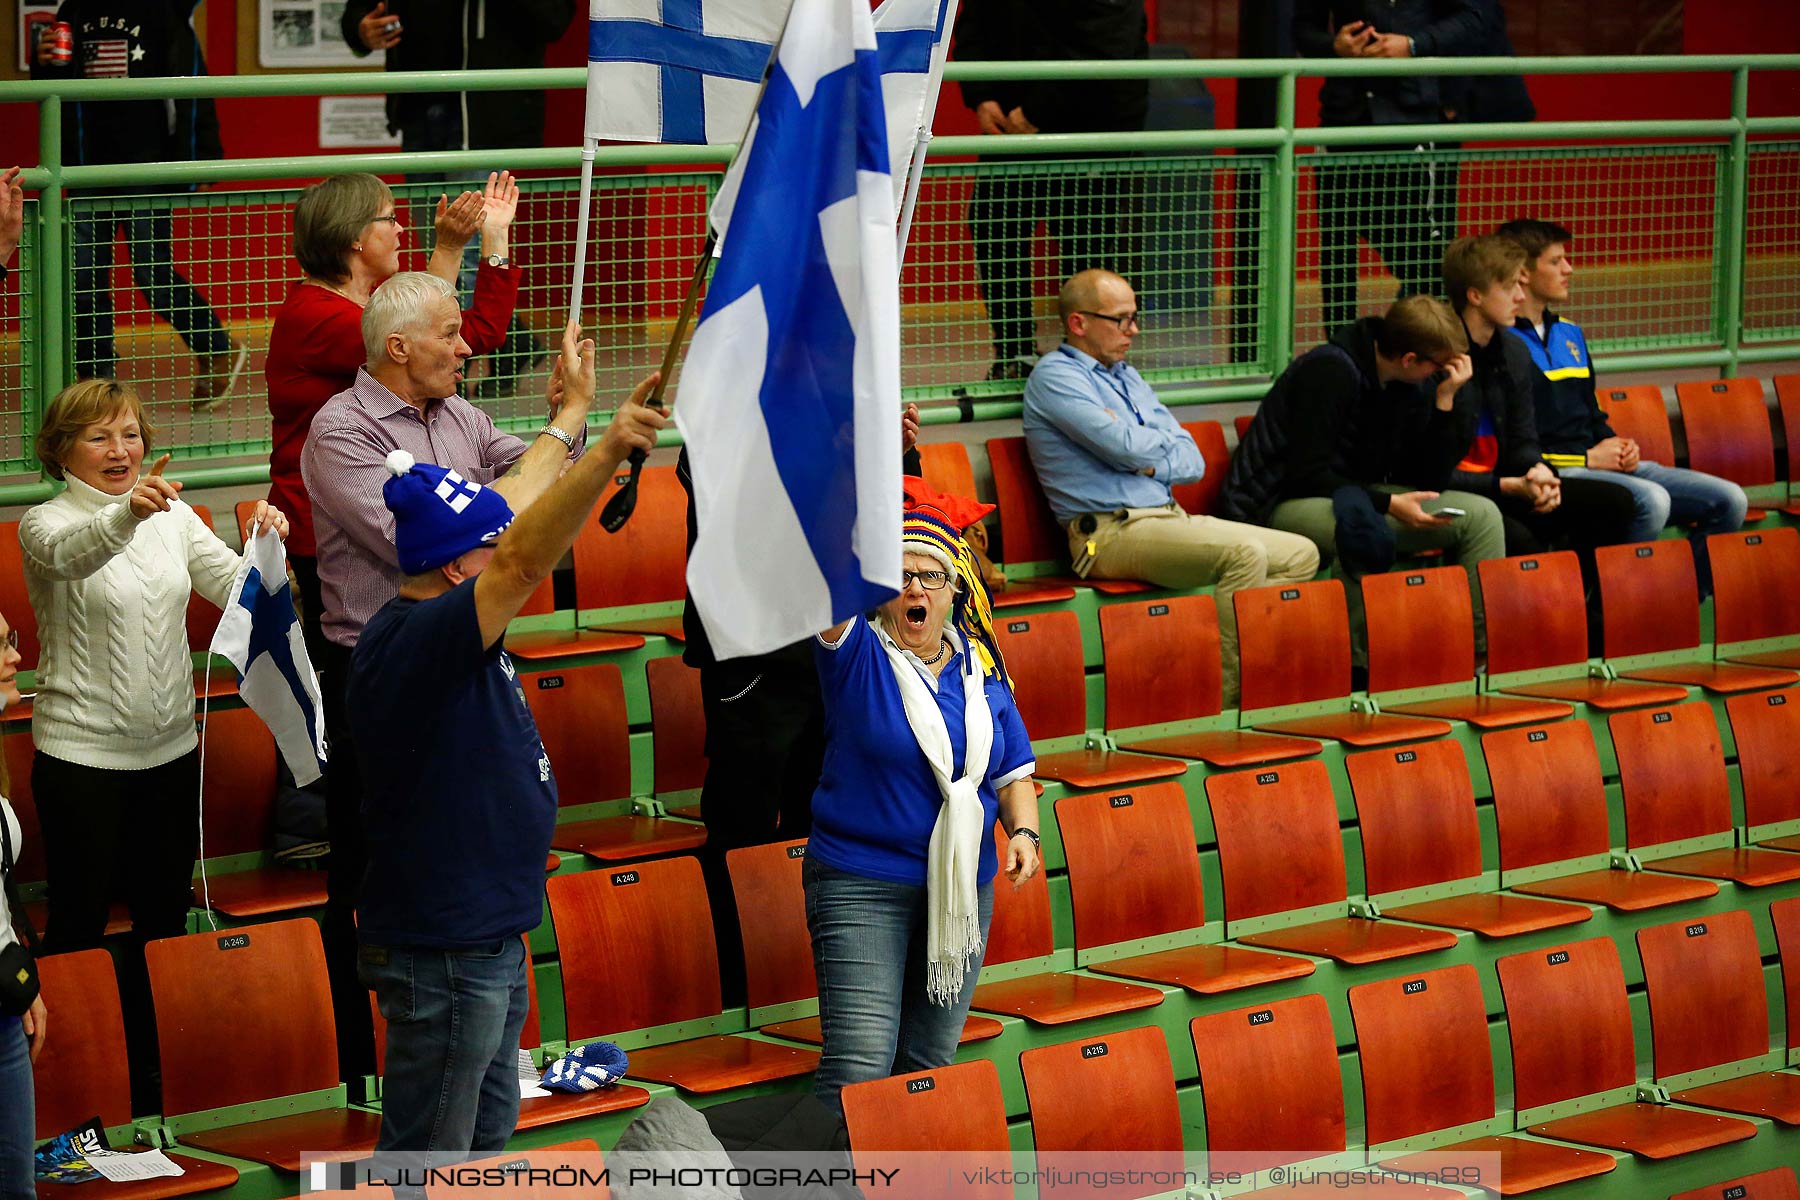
[439, 515]
[586, 1068]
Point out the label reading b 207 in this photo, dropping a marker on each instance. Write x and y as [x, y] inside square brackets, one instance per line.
[1094, 1050]
[921, 1085]
[1412, 987]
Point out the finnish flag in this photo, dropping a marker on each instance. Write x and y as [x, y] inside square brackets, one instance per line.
[261, 636]
[791, 390]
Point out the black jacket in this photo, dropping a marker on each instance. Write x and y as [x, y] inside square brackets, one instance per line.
[470, 35]
[1502, 384]
[1329, 422]
[139, 39]
[1022, 30]
[1439, 28]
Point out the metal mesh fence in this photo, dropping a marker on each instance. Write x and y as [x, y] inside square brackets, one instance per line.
[1772, 243]
[19, 315]
[1644, 218]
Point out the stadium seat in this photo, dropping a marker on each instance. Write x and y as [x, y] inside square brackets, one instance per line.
[238, 785]
[1756, 596]
[677, 732]
[1134, 874]
[1766, 728]
[1294, 649]
[895, 1123]
[1103, 1104]
[1651, 615]
[16, 743]
[1777, 1183]
[580, 713]
[81, 1073]
[1043, 656]
[1242, 425]
[1569, 1019]
[1537, 622]
[1784, 915]
[1551, 816]
[654, 916]
[643, 564]
[1678, 798]
[1420, 834]
[15, 601]
[1202, 496]
[1642, 414]
[1020, 937]
[1028, 530]
[549, 1173]
[1281, 856]
[1787, 401]
[1272, 1094]
[262, 991]
[1709, 1017]
[1163, 686]
[1421, 633]
[778, 961]
[947, 468]
[1422, 1044]
[1727, 426]
[202, 614]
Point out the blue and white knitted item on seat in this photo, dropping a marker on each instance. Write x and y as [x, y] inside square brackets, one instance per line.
[586, 1068]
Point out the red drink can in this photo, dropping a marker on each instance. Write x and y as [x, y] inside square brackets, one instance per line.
[62, 43]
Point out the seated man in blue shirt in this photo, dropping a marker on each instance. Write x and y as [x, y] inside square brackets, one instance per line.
[1577, 440]
[1107, 454]
[458, 798]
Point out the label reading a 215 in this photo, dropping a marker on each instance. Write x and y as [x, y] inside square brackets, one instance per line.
[1262, 1016]
[1412, 987]
[921, 1085]
[1557, 958]
[621, 878]
[1094, 1050]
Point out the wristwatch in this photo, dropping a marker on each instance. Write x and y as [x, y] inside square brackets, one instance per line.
[566, 439]
[498, 260]
[1036, 841]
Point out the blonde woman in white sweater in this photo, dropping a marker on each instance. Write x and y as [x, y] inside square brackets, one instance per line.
[109, 566]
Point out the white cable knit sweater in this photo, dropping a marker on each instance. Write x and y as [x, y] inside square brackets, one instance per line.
[115, 682]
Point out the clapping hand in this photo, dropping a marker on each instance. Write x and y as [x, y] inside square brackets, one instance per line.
[458, 219]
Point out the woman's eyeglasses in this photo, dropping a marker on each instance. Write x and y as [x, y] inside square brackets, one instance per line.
[11, 639]
[931, 581]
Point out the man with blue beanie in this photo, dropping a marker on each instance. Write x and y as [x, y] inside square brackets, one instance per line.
[459, 800]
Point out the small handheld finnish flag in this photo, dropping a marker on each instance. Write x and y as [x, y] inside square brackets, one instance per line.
[261, 636]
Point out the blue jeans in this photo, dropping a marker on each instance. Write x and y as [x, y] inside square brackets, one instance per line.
[868, 940]
[150, 241]
[16, 1113]
[454, 1017]
[1673, 495]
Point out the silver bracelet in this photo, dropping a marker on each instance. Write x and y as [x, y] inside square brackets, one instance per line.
[568, 440]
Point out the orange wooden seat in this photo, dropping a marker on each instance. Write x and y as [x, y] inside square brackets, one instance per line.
[946, 467]
[1020, 931]
[677, 725]
[81, 1074]
[1766, 728]
[1281, 851]
[264, 988]
[1551, 816]
[1242, 425]
[580, 714]
[15, 601]
[1294, 648]
[1787, 403]
[1784, 915]
[1422, 1044]
[1162, 669]
[1672, 773]
[1421, 633]
[1272, 1095]
[655, 916]
[1727, 426]
[1029, 532]
[1416, 810]
[1756, 595]
[904, 1122]
[1043, 656]
[238, 786]
[1537, 621]
[1708, 1012]
[1103, 1104]
[552, 1170]
[1134, 874]
[1640, 413]
[645, 562]
[1649, 606]
[202, 614]
[1202, 496]
[1777, 1183]
[1569, 1019]
[29, 868]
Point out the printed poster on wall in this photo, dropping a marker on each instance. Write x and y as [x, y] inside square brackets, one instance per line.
[307, 33]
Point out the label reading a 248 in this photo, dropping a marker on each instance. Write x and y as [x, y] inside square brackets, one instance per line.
[621, 878]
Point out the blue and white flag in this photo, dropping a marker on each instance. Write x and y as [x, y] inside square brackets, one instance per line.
[261, 636]
[790, 396]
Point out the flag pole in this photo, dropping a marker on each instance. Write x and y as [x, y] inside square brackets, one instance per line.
[940, 53]
[579, 274]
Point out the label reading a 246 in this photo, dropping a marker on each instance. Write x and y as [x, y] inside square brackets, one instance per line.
[234, 941]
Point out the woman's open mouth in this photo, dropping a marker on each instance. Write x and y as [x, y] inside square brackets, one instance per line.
[116, 473]
[915, 616]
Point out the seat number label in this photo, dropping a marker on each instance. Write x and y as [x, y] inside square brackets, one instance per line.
[1777, 700]
[1267, 777]
[1018, 627]
[1754, 539]
[546, 682]
[1262, 1016]
[1290, 593]
[1530, 564]
[1645, 551]
[1415, 581]
[796, 852]
[234, 941]
[1661, 718]
[1558, 958]
[1094, 1050]
[621, 878]
[916, 1086]
[1412, 987]
[1159, 610]
[1734, 1193]
[1696, 930]
[1537, 735]
[1406, 756]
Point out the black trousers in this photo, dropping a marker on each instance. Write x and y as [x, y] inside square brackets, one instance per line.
[1406, 211]
[127, 835]
[344, 879]
[765, 744]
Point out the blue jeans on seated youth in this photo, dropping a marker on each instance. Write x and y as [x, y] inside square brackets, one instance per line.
[868, 939]
[451, 1080]
[1676, 496]
[16, 1113]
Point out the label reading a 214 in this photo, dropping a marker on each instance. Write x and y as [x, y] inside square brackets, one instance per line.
[921, 1085]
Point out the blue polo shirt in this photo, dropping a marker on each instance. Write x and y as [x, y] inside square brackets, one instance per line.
[877, 800]
[458, 798]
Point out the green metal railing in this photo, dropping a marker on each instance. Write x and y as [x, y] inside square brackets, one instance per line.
[1688, 238]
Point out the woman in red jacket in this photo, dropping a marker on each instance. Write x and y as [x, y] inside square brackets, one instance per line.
[347, 238]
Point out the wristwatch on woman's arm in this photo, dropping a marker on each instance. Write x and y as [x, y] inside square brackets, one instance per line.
[1026, 830]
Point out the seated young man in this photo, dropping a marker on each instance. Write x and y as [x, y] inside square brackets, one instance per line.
[1501, 458]
[1575, 435]
[1354, 444]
